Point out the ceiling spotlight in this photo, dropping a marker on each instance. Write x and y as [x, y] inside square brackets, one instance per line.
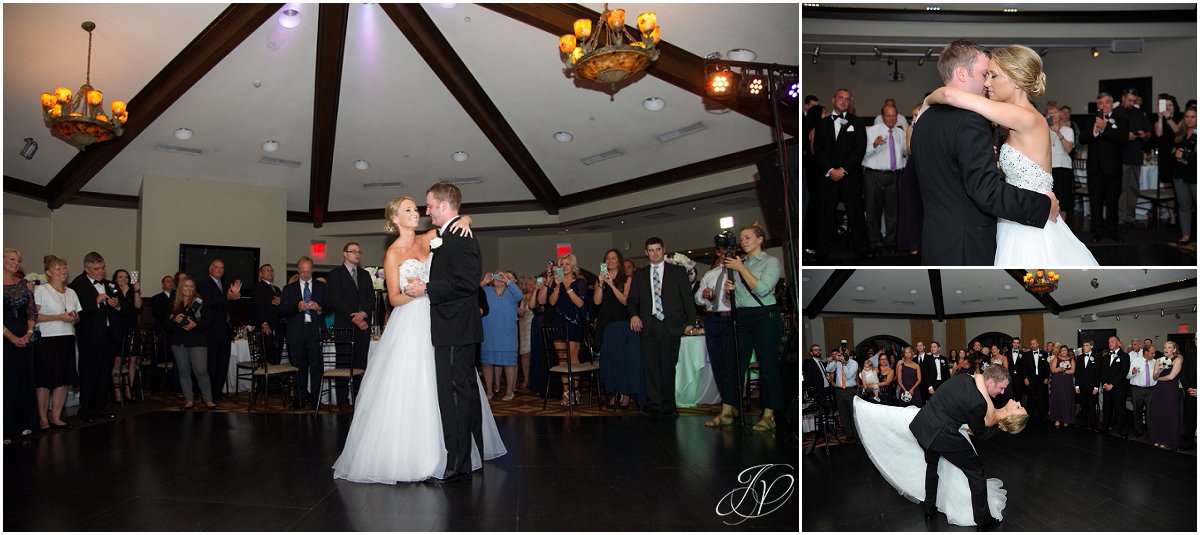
[913, 291]
[270, 145]
[654, 104]
[1043, 51]
[816, 53]
[362, 165]
[721, 81]
[289, 18]
[29, 149]
[860, 288]
[1095, 53]
[1136, 314]
[1162, 313]
[754, 85]
[853, 60]
[1118, 318]
[741, 54]
[563, 137]
[878, 54]
[958, 291]
[183, 134]
[460, 156]
[1007, 286]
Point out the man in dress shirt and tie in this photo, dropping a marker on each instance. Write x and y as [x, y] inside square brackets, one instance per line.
[266, 311]
[1016, 367]
[844, 372]
[303, 302]
[1141, 383]
[883, 164]
[1087, 385]
[660, 306]
[353, 298]
[718, 335]
[839, 143]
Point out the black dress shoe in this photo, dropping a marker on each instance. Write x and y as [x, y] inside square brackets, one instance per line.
[990, 525]
[648, 411]
[59, 426]
[928, 515]
[451, 477]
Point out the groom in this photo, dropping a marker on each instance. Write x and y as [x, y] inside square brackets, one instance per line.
[457, 329]
[961, 190]
[936, 428]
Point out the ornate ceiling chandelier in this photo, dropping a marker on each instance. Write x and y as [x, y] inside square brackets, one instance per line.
[80, 120]
[608, 53]
[1041, 281]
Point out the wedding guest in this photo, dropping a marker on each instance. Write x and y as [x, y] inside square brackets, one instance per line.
[890, 102]
[1164, 400]
[998, 358]
[844, 374]
[1185, 173]
[908, 380]
[909, 213]
[938, 370]
[887, 380]
[58, 310]
[1016, 368]
[629, 267]
[1062, 142]
[266, 312]
[1166, 125]
[217, 294]
[1105, 139]
[1038, 375]
[96, 337]
[718, 336]
[528, 288]
[1087, 385]
[1115, 387]
[499, 347]
[1131, 154]
[20, 314]
[1141, 384]
[191, 318]
[352, 300]
[1135, 349]
[839, 143]
[303, 303]
[760, 324]
[565, 295]
[1062, 388]
[1187, 381]
[883, 163]
[868, 377]
[130, 296]
[965, 365]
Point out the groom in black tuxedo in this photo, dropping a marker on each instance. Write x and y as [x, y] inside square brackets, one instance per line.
[457, 329]
[961, 190]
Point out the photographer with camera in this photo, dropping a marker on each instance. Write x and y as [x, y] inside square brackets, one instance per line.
[760, 323]
[1185, 173]
[718, 331]
[189, 324]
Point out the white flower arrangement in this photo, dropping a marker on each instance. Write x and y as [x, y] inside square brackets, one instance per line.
[377, 277]
[435, 243]
[680, 259]
[37, 278]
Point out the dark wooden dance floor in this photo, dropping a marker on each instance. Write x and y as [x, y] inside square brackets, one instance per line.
[1064, 480]
[200, 471]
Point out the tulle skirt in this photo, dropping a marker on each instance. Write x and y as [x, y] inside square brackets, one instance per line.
[1053, 246]
[396, 434]
[884, 433]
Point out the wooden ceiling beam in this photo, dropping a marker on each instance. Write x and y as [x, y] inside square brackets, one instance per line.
[331, 49]
[935, 286]
[675, 65]
[1051, 305]
[419, 28]
[217, 40]
[831, 287]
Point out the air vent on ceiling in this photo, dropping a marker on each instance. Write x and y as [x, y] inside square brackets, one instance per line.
[279, 161]
[595, 227]
[461, 181]
[1122, 46]
[177, 150]
[909, 303]
[1013, 298]
[602, 156]
[383, 185]
[676, 134]
[733, 201]
[657, 215]
[864, 301]
[972, 301]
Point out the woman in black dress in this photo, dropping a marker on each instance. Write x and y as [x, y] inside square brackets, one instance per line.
[611, 290]
[130, 296]
[1164, 399]
[565, 297]
[20, 313]
[887, 380]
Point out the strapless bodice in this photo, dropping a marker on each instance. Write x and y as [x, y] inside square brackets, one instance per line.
[413, 268]
[1023, 172]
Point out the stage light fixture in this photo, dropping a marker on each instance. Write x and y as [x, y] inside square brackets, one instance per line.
[816, 54]
[720, 81]
[878, 54]
[1136, 314]
[754, 85]
[1118, 318]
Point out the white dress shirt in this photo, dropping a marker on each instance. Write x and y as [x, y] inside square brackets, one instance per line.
[900, 120]
[1142, 378]
[714, 281]
[877, 157]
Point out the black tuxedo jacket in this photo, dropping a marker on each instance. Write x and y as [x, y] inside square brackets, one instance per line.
[813, 374]
[289, 300]
[1104, 152]
[1016, 367]
[264, 311]
[97, 322]
[929, 373]
[1043, 367]
[160, 309]
[845, 152]
[454, 291]
[1115, 373]
[1088, 377]
[957, 402]
[962, 191]
[347, 298]
[678, 311]
[217, 304]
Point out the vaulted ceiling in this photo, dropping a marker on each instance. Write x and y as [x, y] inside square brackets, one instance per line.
[402, 86]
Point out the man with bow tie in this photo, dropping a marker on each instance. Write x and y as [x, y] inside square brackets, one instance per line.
[1114, 388]
[1037, 380]
[938, 369]
[1106, 139]
[839, 143]
[1087, 386]
[1016, 367]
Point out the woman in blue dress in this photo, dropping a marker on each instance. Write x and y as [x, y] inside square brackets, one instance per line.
[499, 347]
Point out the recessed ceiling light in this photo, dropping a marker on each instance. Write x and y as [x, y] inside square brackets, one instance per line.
[958, 291]
[1007, 286]
[654, 104]
[860, 288]
[289, 18]
[362, 165]
[913, 291]
[183, 134]
[460, 156]
[563, 137]
[270, 145]
[448, 5]
[741, 54]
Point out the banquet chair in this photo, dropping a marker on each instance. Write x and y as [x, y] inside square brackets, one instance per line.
[1079, 170]
[1162, 196]
[260, 371]
[573, 371]
[131, 346]
[154, 354]
[337, 352]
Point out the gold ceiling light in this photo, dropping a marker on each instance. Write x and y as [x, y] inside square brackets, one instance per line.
[79, 119]
[606, 52]
[1041, 281]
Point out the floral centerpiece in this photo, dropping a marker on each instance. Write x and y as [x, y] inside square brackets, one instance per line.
[377, 279]
[680, 259]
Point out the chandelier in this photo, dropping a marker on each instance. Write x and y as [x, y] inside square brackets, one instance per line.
[79, 119]
[610, 54]
[1041, 281]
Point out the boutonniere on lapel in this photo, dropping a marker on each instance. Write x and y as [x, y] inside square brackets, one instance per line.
[435, 243]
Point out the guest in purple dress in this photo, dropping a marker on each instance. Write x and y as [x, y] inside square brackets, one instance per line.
[1062, 387]
[1164, 399]
[910, 215]
[908, 381]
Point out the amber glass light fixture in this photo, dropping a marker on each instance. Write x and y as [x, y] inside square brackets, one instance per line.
[605, 51]
[1041, 281]
[79, 118]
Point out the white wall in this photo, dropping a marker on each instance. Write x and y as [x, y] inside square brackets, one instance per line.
[70, 233]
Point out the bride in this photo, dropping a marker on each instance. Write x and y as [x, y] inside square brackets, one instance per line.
[1015, 74]
[396, 434]
[890, 444]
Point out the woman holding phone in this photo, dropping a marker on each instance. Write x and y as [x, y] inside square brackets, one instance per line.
[611, 291]
[566, 297]
[129, 292]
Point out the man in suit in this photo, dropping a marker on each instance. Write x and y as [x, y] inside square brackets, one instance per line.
[160, 308]
[961, 190]
[1037, 374]
[936, 371]
[266, 311]
[457, 329]
[839, 143]
[660, 306]
[923, 362]
[936, 428]
[95, 336]
[1087, 385]
[217, 295]
[1114, 387]
[303, 303]
[1105, 140]
[1016, 369]
[353, 299]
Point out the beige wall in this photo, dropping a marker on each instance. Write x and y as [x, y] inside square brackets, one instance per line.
[180, 210]
[70, 232]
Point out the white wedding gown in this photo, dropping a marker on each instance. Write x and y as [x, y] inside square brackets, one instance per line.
[884, 433]
[1024, 246]
[396, 433]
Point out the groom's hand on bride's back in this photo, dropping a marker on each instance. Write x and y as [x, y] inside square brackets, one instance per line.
[1053, 206]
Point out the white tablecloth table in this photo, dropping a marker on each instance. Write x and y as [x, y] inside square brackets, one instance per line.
[694, 383]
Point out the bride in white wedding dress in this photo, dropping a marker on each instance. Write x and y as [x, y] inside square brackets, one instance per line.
[1015, 74]
[396, 434]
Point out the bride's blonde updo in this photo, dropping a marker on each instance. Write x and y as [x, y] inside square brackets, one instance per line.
[390, 212]
[1023, 66]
